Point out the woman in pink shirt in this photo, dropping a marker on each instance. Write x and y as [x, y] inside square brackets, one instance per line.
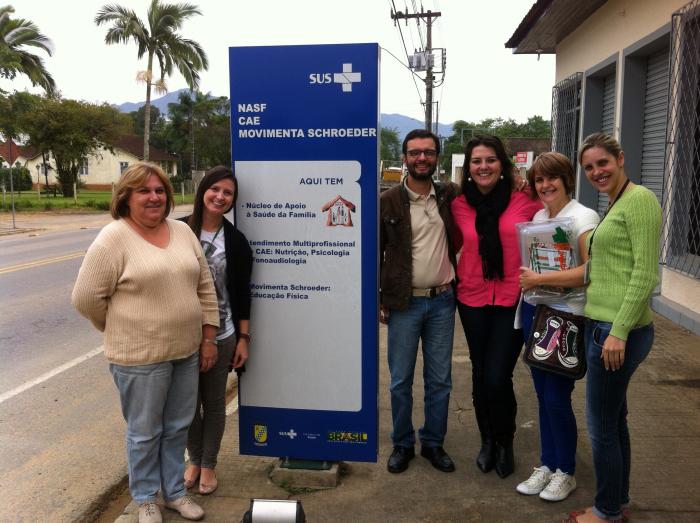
[488, 291]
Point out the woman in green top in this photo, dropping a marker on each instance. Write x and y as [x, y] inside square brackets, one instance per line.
[623, 268]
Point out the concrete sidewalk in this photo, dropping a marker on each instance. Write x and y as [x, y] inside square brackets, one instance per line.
[664, 398]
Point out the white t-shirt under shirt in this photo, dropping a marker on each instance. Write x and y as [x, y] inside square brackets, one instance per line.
[585, 220]
[214, 248]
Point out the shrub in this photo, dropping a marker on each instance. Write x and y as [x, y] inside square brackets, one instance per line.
[24, 204]
[21, 179]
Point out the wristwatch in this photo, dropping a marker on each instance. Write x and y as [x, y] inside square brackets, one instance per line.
[245, 336]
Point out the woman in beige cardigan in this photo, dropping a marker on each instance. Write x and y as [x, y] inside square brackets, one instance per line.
[146, 284]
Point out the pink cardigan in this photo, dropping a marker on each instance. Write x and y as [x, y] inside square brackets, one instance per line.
[472, 289]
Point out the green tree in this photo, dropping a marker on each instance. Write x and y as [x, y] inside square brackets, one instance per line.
[534, 127]
[13, 109]
[138, 119]
[16, 35]
[199, 130]
[537, 127]
[390, 146]
[462, 132]
[71, 131]
[159, 39]
[454, 144]
[22, 180]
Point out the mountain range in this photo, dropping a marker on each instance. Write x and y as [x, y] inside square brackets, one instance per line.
[402, 124]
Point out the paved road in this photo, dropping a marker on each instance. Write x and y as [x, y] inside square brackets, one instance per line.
[39, 329]
[61, 430]
[57, 428]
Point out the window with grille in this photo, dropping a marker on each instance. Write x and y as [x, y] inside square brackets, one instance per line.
[681, 199]
[566, 111]
[83, 168]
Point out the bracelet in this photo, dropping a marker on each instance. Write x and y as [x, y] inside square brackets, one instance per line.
[208, 340]
[245, 336]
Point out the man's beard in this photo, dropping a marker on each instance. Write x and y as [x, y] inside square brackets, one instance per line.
[421, 176]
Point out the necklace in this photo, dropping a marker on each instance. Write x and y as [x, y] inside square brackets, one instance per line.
[619, 195]
[209, 248]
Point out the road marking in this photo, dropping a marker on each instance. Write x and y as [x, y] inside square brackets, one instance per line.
[45, 261]
[48, 375]
[232, 406]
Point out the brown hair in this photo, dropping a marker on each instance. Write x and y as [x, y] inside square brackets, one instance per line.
[489, 207]
[602, 140]
[132, 178]
[213, 175]
[552, 164]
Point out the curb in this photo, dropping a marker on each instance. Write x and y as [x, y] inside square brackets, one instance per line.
[18, 231]
[101, 504]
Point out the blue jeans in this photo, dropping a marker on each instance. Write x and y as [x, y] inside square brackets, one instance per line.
[606, 414]
[158, 403]
[558, 434]
[558, 431]
[432, 321]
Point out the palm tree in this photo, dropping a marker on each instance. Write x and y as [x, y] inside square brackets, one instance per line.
[15, 35]
[160, 40]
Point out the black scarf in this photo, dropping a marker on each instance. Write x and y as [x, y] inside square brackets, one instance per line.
[489, 208]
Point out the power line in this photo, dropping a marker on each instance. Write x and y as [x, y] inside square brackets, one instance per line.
[403, 42]
[401, 62]
[426, 54]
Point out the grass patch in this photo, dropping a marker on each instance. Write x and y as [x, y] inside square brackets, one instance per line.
[88, 201]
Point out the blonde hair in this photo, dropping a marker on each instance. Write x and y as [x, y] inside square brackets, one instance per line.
[602, 140]
[132, 178]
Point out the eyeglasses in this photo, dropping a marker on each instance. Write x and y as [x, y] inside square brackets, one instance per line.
[415, 153]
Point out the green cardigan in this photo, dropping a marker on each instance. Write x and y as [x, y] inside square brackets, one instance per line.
[624, 262]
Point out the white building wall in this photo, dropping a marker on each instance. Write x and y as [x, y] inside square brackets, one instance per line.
[616, 25]
[457, 168]
[104, 168]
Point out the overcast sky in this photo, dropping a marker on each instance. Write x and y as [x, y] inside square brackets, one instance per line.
[484, 79]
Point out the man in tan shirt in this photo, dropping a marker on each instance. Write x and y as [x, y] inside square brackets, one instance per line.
[417, 299]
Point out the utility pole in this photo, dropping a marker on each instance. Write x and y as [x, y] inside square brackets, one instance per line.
[428, 17]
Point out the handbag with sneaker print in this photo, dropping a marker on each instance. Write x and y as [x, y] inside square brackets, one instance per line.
[556, 343]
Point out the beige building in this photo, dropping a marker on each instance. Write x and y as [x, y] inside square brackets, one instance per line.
[631, 68]
[99, 170]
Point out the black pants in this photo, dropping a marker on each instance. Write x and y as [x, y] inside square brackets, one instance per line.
[494, 346]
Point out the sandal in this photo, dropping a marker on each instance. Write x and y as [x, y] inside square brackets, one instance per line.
[573, 517]
[207, 488]
[189, 483]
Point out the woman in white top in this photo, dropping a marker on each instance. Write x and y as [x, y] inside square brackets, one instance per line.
[552, 176]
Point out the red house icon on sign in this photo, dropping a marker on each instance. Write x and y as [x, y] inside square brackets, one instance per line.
[338, 210]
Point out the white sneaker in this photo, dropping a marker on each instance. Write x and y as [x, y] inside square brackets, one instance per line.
[187, 508]
[149, 513]
[560, 486]
[536, 482]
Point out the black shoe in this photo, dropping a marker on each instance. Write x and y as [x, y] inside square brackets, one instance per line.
[398, 461]
[505, 461]
[438, 458]
[487, 455]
